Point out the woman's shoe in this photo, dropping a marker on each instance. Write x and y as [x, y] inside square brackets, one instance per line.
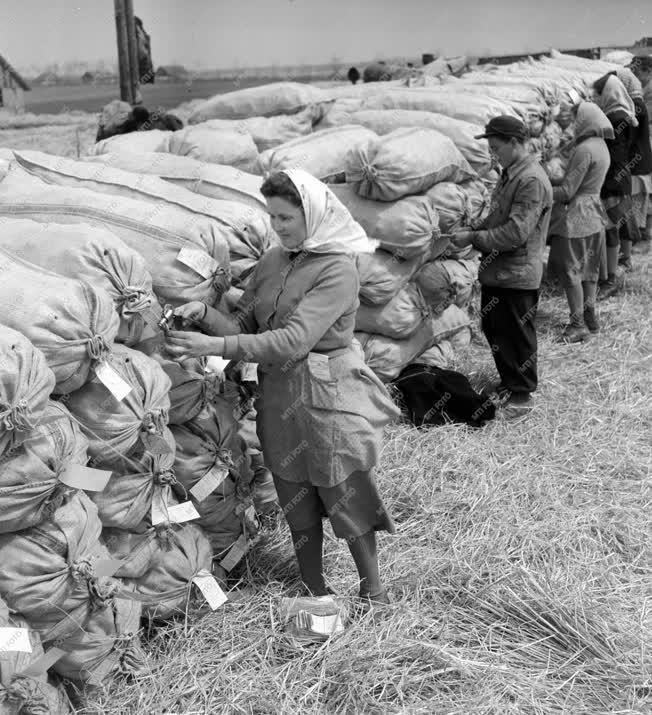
[591, 320]
[366, 602]
[574, 334]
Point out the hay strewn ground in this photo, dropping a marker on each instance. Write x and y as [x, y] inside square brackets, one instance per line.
[520, 573]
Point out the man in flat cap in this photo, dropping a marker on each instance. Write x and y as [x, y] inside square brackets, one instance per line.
[511, 240]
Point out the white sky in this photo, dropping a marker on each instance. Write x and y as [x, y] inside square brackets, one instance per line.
[223, 33]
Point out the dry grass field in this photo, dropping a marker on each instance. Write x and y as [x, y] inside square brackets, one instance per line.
[520, 573]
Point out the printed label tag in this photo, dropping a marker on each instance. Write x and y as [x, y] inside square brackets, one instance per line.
[46, 661]
[207, 584]
[79, 477]
[179, 513]
[15, 639]
[235, 553]
[159, 508]
[326, 625]
[249, 372]
[112, 381]
[318, 366]
[209, 482]
[198, 260]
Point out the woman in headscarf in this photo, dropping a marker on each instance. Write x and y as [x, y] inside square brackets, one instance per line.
[616, 192]
[641, 159]
[578, 221]
[321, 410]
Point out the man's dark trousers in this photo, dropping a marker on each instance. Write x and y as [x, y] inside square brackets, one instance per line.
[508, 316]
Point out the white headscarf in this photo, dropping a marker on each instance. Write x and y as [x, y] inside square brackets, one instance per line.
[330, 228]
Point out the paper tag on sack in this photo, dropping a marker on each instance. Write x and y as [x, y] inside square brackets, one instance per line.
[251, 516]
[179, 513]
[46, 661]
[574, 96]
[152, 317]
[198, 260]
[318, 366]
[235, 553]
[106, 567]
[15, 639]
[207, 584]
[86, 478]
[159, 513]
[112, 381]
[249, 372]
[209, 482]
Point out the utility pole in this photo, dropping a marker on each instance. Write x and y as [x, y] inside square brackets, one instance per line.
[127, 50]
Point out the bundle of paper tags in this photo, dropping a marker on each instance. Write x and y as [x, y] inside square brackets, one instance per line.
[313, 619]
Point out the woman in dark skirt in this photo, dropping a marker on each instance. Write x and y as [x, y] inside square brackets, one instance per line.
[616, 193]
[321, 410]
[578, 221]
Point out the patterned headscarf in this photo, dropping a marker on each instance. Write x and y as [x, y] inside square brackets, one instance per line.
[330, 227]
[614, 98]
[631, 82]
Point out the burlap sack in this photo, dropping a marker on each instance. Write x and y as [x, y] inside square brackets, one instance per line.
[136, 549]
[397, 319]
[268, 132]
[387, 357]
[382, 275]
[408, 228]
[246, 230]
[323, 154]
[21, 693]
[209, 441]
[25, 386]
[113, 426]
[48, 571]
[384, 121]
[157, 231]
[92, 254]
[446, 282]
[134, 142]
[406, 162]
[267, 100]
[192, 388]
[216, 147]
[126, 501]
[166, 586]
[30, 490]
[68, 320]
[108, 645]
[212, 180]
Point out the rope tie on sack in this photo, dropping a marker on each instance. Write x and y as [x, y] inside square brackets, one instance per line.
[153, 422]
[26, 695]
[15, 418]
[100, 593]
[369, 172]
[132, 656]
[165, 536]
[96, 347]
[165, 478]
[135, 300]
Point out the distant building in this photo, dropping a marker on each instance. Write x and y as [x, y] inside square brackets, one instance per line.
[98, 78]
[172, 72]
[47, 79]
[644, 42]
[12, 87]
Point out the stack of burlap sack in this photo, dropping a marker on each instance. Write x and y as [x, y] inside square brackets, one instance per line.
[103, 441]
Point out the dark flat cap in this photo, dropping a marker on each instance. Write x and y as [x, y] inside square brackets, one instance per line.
[504, 126]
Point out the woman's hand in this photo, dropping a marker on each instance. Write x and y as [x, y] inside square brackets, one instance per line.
[191, 313]
[181, 345]
[462, 238]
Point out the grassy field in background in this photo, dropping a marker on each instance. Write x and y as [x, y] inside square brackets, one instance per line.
[520, 572]
[91, 98]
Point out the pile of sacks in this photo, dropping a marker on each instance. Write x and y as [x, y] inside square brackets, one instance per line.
[124, 481]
